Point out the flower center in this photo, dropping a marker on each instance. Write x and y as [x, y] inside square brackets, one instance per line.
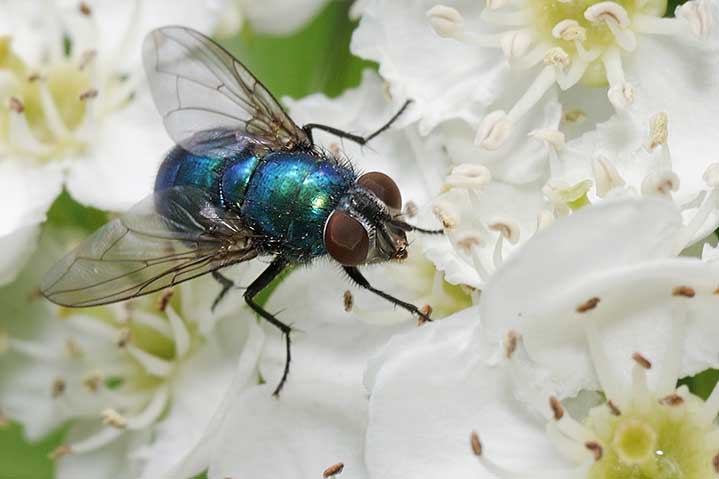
[634, 441]
[671, 438]
[587, 28]
[41, 111]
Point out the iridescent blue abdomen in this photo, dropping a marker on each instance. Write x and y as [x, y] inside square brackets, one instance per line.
[222, 172]
[290, 197]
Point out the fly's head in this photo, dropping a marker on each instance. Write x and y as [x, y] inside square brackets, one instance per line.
[365, 227]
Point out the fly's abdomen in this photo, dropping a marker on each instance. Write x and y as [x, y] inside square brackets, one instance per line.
[182, 168]
[224, 173]
[289, 198]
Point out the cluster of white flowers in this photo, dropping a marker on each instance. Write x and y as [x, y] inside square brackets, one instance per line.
[566, 147]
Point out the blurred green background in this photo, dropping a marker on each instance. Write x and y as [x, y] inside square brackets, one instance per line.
[316, 59]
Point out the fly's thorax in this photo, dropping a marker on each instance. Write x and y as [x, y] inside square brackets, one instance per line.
[289, 197]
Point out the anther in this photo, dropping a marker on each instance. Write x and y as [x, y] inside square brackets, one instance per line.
[595, 448]
[508, 228]
[569, 30]
[92, 381]
[685, 291]
[333, 470]
[613, 408]
[72, 349]
[164, 300]
[475, 443]
[16, 105]
[672, 400]
[711, 175]
[574, 116]
[445, 21]
[88, 95]
[445, 215]
[604, 11]
[426, 310]
[110, 417]
[468, 175]
[621, 95]
[123, 338]
[557, 408]
[642, 361]
[715, 463]
[467, 242]
[551, 136]
[58, 388]
[60, 452]
[33, 77]
[347, 301]
[494, 130]
[658, 130]
[85, 9]
[606, 176]
[510, 343]
[588, 305]
[557, 56]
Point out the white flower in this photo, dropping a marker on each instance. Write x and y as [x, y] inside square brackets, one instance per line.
[494, 62]
[137, 382]
[500, 69]
[277, 17]
[602, 278]
[504, 389]
[437, 410]
[74, 110]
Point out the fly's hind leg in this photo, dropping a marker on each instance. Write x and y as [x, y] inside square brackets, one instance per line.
[359, 278]
[226, 283]
[263, 280]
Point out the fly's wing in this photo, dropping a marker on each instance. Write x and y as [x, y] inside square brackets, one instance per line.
[204, 93]
[170, 237]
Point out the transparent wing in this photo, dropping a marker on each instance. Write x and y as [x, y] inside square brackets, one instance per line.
[170, 237]
[204, 93]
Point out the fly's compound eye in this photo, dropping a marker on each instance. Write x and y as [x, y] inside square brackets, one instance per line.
[346, 239]
[383, 187]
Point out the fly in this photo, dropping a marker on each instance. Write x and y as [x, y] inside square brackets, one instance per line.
[243, 181]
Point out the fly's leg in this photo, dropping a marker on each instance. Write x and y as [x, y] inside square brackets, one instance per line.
[226, 283]
[273, 270]
[359, 278]
[356, 138]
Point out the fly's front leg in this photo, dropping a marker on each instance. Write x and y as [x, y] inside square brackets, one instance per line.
[361, 140]
[261, 282]
[359, 278]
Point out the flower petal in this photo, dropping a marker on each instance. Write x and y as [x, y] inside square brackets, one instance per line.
[429, 391]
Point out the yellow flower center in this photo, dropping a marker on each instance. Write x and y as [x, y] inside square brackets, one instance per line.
[587, 24]
[49, 106]
[655, 439]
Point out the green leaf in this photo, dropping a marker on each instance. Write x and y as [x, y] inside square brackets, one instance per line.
[315, 59]
[67, 213]
[21, 460]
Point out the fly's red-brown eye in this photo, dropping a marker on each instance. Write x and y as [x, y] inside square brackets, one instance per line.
[346, 240]
[384, 187]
